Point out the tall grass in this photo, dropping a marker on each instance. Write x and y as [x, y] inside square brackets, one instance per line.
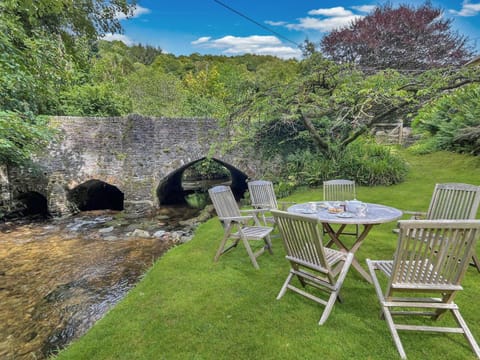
[188, 307]
[363, 161]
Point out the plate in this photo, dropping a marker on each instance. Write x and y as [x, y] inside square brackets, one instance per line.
[308, 211]
[345, 215]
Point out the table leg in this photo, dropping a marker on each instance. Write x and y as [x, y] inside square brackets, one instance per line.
[335, 239]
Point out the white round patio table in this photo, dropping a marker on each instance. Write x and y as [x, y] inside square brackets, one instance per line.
[376, 214]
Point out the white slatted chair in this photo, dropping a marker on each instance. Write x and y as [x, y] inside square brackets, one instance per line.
[236, 226]
[262, 197]
[312, 263]
[452, 201]
[340, 190]
[430, 260]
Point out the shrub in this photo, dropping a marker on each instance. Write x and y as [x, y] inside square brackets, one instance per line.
[364, 161]
[451, 123]
[94, 100]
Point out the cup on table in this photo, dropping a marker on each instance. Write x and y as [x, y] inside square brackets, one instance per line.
[361, 210]
[313, 206]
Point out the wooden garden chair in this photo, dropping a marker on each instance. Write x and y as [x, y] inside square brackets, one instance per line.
[262, 197]
[430, 260]
[236, 225]
[452, 201]
[340, 190]
[312, 263]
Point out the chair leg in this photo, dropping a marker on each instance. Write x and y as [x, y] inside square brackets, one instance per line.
[386, 311]
[283, 290]
[268, 244]
[393, 331]
[333, 296]
[221, 248]
[328, 307]
[476, 262]
[250, 253]
[466, 332]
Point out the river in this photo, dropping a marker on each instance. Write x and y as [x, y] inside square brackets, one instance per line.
[58, 277]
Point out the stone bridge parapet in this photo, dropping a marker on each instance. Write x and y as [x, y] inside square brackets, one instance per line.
[133, 153]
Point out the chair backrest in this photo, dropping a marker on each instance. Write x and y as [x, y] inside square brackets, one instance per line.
[302, 239]
[224, 201]
[262, 194]
[454, 201]
[433, 253]
[339, 190]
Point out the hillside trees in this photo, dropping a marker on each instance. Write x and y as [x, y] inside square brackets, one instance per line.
[153, 92]
[336, 104]
[406, 37]
[43, 46]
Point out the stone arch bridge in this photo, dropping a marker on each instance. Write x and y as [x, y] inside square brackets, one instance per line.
[140, 160]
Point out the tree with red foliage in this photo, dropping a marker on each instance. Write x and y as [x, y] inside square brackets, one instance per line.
[399, 38]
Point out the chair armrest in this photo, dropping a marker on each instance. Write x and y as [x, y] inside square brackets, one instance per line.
[416, 215]
[253, 211]
[238, 219]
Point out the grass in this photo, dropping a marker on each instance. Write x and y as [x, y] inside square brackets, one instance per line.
[188, 307]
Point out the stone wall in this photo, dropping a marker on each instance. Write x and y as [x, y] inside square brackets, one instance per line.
[133, 153]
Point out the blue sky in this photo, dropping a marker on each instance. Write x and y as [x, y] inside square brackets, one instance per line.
[272, 27]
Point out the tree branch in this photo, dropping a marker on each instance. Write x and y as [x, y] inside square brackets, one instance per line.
[319, 142]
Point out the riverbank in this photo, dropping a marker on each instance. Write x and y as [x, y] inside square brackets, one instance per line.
[58, 277]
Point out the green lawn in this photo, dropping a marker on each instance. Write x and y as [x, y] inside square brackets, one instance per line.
[188, 307]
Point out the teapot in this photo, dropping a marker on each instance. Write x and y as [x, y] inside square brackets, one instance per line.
[352, 205]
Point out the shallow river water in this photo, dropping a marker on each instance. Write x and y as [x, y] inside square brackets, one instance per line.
[58, 277]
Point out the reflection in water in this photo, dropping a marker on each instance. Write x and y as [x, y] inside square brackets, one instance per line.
[58, 277]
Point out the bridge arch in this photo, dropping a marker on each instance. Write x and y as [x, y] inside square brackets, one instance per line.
[34, 203]
[96, 194]
[170, 190]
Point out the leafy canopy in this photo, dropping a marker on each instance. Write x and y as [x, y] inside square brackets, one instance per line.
[336, 103]
[43, 47]
[20, 136]
[452, 122]
[406, 37]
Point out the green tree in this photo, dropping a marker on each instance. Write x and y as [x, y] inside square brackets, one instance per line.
[33, 68]
[144, 54]
[112, 62]
[21, 136]
[42, 46]
[205, 92]
[68, 19]
[452, 122]
[155, 93]
[94, 100]
[337, 104]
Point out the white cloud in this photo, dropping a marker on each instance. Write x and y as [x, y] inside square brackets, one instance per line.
[365, 8]
[327, 19]
[112, 37]
[137, 12]
[323, 25]
[252, 41]
[338, 11]
[201, 40]
[275, 23]
[255, 44]
[468, 9]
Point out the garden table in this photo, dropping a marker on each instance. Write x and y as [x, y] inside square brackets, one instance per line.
[376, 214]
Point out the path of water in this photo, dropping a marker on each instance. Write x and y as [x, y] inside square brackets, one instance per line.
[58, 277]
